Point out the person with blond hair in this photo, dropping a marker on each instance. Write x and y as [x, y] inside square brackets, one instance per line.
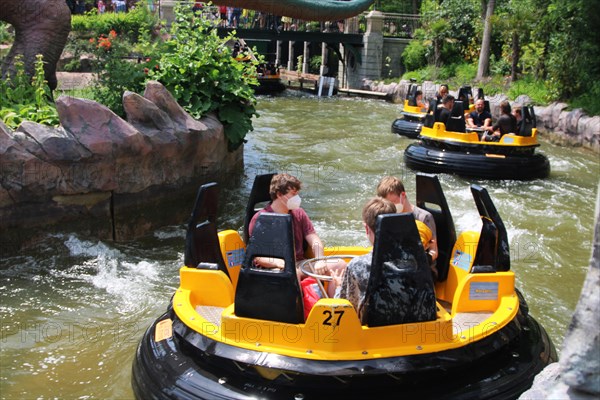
[392, 189]
[352, 283]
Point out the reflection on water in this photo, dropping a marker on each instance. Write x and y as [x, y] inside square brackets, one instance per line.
[73, 309]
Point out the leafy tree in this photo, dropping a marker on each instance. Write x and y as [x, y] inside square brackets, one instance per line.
[398, 6]
[447, 30]
[573, 46]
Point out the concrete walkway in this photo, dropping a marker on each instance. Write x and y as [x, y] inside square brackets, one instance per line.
[74, 80]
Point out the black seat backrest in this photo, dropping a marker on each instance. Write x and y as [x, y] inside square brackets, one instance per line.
[480, 93]
[258, 194]
[430, 197]
[465, 94]
[532, 115]
[400, 288]
[205, 250]
[411, 94]
[528, 122]
[493, 250]
[429, 120]
[206, 206]
[268, 294]
[456, 122]
[205, 209]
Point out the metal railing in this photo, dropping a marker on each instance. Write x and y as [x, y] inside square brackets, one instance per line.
[394, 25]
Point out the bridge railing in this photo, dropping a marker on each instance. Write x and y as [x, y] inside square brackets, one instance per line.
[394, 25]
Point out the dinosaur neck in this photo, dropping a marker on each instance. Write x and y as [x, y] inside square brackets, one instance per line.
[308, 10]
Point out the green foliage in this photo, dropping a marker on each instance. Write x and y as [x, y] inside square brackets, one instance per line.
[314, 65]
[127, 24]
[299, 62]
[398, 6]
[6, 36]
[573, 46]
[198, 69]
[556, 53]
[449, 29]
[27, 99]
[535, 89]
[589, 101]
[117, 70]
[414, 55]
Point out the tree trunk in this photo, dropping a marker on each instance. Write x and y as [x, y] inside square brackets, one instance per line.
[484, 55]
[516, 47]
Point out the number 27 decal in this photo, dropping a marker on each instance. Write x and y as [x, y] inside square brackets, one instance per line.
[333, 318]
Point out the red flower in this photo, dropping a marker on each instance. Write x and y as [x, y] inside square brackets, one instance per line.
[112, 34]
[104, 43]
[92, 40]
[146, 71]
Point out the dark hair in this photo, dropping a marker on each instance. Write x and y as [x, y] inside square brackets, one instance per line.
[447, 98]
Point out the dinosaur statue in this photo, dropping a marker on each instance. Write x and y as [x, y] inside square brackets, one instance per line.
[308, 10]
[42, 26]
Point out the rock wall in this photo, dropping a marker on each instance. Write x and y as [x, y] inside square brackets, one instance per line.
[105, 176]
[572, 128]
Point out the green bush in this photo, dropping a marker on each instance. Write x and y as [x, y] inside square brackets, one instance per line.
[25, 98]
[465, 73]
[535, 89]
[6, 36]
[314, 65]
[127, 24]
[589, 101]
[414, 56]
[197, 67]
[117, 71]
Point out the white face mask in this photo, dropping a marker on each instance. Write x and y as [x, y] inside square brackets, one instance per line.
[399, 207]
[293, 202]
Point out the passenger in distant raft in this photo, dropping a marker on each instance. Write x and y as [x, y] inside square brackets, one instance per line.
[518, 114]
[284, 190]
[392, 189]
[446, 109]
[442, 92]
[352, 283]
[479, 118]
[507, 123]
[420, 102]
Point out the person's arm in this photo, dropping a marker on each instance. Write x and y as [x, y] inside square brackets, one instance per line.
[269, 262]
[470, 122]
[433, 249]
[314, 243]
[487, 122]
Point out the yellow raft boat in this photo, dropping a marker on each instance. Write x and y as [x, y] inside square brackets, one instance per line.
[237, 332]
